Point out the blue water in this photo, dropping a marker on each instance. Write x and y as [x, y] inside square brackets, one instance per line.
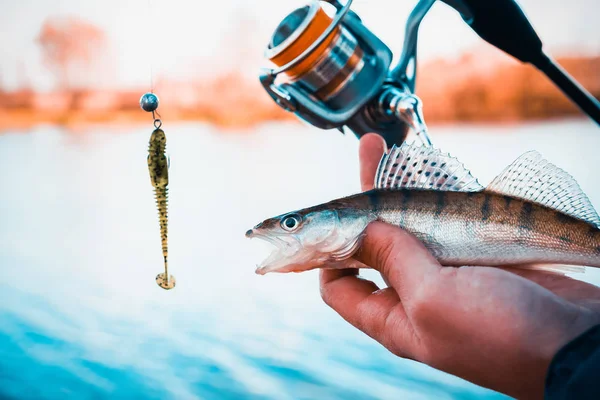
[81, 316]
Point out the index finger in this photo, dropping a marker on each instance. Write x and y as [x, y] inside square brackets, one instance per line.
[401, 258]
[368, 308]
[372, 147]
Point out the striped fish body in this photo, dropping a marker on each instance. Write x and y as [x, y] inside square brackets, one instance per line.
[531, 213]
[485, 228]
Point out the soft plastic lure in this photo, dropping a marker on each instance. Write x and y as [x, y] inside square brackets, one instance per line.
[158, 167]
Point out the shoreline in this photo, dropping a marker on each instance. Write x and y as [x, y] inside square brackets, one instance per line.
[20, 120]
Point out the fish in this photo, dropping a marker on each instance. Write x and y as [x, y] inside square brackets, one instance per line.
[533, 215]
[158, 167]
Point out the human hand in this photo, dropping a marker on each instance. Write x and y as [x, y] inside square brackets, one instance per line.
[498, 328]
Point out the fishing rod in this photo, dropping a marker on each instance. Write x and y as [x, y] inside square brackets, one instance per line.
[336, 73]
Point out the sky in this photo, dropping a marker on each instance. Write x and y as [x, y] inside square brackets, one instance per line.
[196, 39]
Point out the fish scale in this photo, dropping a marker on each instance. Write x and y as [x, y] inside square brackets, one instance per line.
[463, 232]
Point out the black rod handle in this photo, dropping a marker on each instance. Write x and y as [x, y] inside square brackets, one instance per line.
[561, 78]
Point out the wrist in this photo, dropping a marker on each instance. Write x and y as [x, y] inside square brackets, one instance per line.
[535, 360]
[564, 377]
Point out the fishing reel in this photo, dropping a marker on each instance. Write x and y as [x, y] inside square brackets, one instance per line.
[336, 73]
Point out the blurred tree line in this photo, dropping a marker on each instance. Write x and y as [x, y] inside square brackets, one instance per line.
[461, 90]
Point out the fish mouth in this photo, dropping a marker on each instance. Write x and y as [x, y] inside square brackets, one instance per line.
[276, 260]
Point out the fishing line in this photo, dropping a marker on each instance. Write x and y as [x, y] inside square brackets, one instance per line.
[155, 114]
[158, 167]
[151, 56]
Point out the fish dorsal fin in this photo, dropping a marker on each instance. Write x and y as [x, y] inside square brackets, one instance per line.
[531, 177]
[413, 166]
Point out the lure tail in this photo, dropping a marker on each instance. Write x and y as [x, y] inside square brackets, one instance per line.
[164, 280]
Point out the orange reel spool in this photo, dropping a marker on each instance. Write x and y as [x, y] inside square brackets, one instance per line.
[313, 25]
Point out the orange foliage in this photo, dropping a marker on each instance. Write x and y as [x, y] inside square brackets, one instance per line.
[460, 91]
[70, 49]
[476, 87]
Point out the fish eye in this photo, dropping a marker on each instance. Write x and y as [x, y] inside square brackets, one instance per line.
[291, 222]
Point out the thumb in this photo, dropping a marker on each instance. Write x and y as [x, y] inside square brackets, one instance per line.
[371, 148]
[401, 258]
